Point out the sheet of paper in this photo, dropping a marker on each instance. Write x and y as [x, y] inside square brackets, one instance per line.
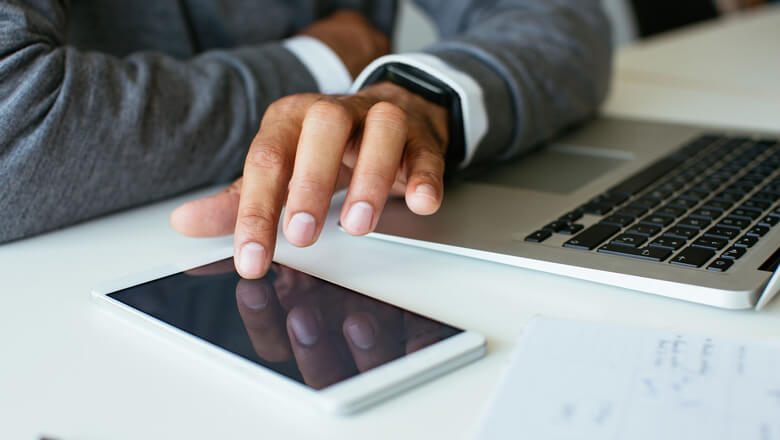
[574, 380]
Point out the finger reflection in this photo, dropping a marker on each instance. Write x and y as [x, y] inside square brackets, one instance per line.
[370, 343]
[319, 355]
[263, 319]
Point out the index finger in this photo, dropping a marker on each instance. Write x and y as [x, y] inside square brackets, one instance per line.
[267, 170]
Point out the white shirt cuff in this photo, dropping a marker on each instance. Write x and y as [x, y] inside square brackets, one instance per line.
[330, 74]
[472, 102]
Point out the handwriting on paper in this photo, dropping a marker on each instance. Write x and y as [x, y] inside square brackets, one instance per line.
[572, 380]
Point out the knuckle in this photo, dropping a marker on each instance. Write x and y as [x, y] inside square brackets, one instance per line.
[309, 185]
[425, 157]
[257, 219]
[431, 176]
[375, 176]
[287, 104]
[331, 111]
[388, 112]
[267, 156]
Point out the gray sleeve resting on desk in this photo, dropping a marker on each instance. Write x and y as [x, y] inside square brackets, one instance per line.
[541, 64]
[84, 133]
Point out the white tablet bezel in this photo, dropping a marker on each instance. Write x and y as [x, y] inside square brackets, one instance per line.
[344, 397]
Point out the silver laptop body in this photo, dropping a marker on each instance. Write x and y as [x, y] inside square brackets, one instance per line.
[492, 215]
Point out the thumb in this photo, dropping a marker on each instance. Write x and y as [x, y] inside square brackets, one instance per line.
[209, 216]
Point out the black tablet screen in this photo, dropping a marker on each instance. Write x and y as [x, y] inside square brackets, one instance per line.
[307, 329]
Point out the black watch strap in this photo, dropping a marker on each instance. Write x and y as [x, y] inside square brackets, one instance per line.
[433, 90]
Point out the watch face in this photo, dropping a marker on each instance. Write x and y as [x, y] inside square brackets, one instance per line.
[419, 82]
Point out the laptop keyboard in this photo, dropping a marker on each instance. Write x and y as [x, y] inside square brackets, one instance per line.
[702, 206]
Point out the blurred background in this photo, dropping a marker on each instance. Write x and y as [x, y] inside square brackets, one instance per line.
[631, 19]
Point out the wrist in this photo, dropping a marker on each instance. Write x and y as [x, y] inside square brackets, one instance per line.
[351, 37]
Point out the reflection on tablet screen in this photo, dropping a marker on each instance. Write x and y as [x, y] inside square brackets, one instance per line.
[307, 329]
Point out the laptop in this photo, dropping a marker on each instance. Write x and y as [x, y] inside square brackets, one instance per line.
[675, 210]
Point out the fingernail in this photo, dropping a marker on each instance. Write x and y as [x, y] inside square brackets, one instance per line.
[251, 260]
[304, 325]
[255, 297]
[426, 190]
[301, 228]
[361, 332]
[358, 220]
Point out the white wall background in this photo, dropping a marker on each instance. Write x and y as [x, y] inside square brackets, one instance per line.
[416, 31]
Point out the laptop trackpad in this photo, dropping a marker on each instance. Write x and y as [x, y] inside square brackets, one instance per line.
[556, 169]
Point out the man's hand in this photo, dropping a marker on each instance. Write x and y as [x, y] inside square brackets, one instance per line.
[351, 37]
[383, 140]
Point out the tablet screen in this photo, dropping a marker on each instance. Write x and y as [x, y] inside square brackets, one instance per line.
[302, 327]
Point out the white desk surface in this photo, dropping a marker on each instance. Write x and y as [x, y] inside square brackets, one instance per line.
[724, 72]
[71, 371]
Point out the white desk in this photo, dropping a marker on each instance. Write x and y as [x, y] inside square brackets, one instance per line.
[725, 73]
[71, 371]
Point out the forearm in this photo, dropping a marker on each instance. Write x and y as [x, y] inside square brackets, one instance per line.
[86, 133]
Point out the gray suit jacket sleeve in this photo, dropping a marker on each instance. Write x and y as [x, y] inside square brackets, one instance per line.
[542, 64]
[84, 133]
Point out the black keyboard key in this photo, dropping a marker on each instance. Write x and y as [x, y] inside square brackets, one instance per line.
[730, 196]
[571, 229]
[632, 240]
[717, 204]
[538, 236]
[750, 179]
[572, 216]
[596, 208]
[710, 243]
[738, 193]
[708, 213]
[706, 187]
[611, 199]
[756, 204]
[771, 188]
[693, 194]
[693, 257]
[734, 252]
[633, 210]
[745, 213]
[650, 253]
[671, 211]
[659, 193]
[758, 231]
[735, 222]
[682, 232]
[766, 196]
[647, 176]
[657, 220]
[668, 242]
[720, 265]
[683, 203]
[747, 241]
[693, 222]
[555, 226]
[718, 179]
[776, 212]
[648, 202]
[722, 232]
[648, 230]
[769, 220]
[618, 220]
[590, 238]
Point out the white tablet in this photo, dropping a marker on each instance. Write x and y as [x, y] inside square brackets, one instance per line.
[296, 336]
